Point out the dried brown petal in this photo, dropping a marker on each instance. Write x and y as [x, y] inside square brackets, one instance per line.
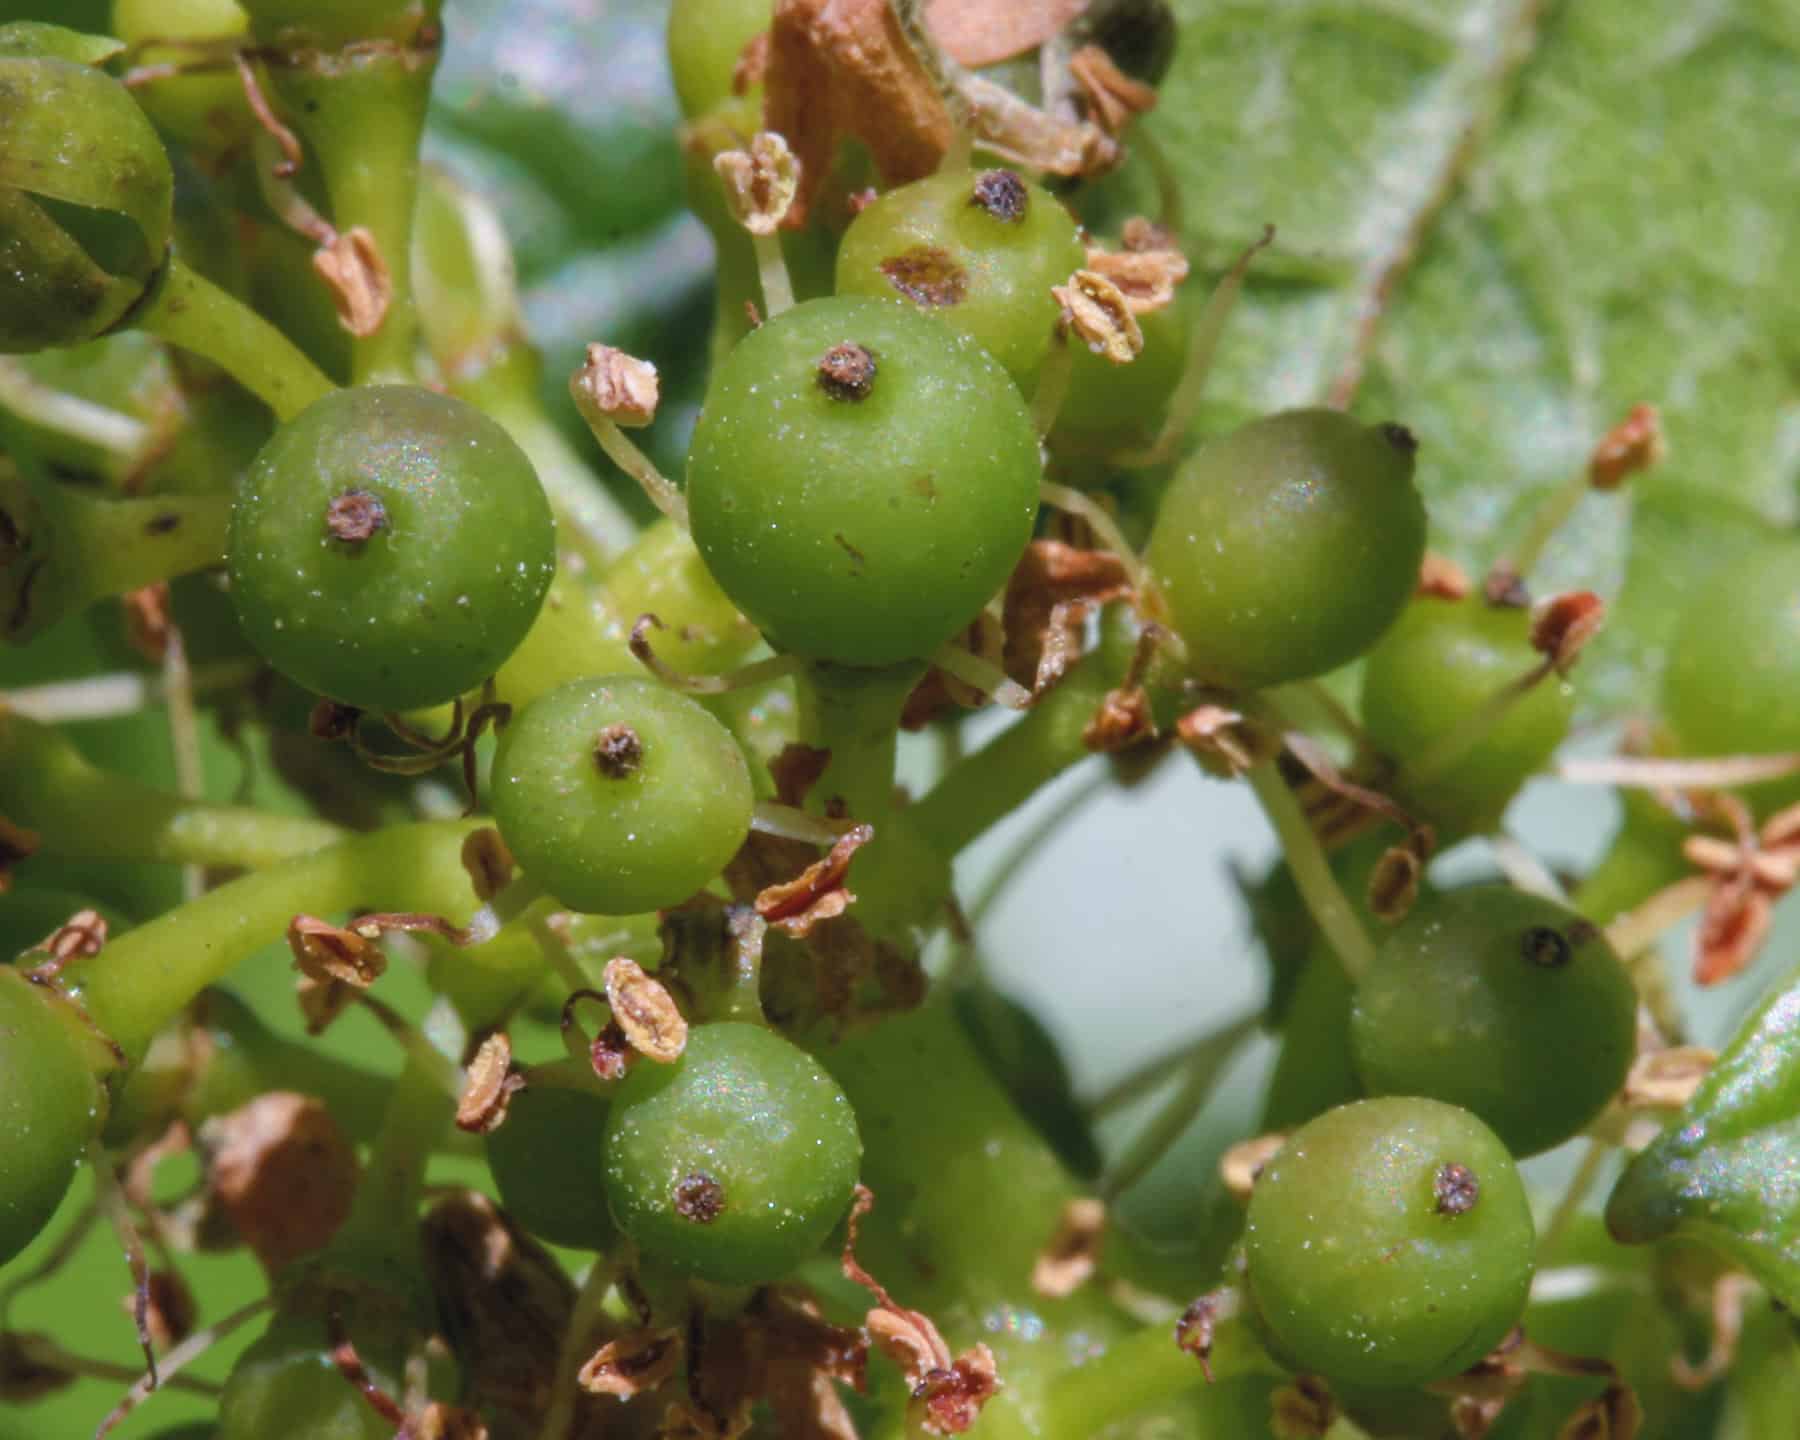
[948, 1402]
[1612, 1415]
[487, 862]
[354, 270]
[77, 938]
[170, 1314]
[16, 844]
[490, 1084]
[1243, 1162]
[148, 621]
[323, 951]
[1561, 625]
[1112, 96]
[322, 1001]
[1442, 578]
[31, 1367]
[1048, 596]
[1394, 883]
[1225, 741]
[979, 32]
[1733, 927]
[1146, 278]
[1195, 1327]
[1667, 1079]
[1303, 1409]
[1122, 719]
[1142, 233]
[611, 1053]
[805, 1403]
[1100, 315]
[760, 182]
[1069, 1260]
[645, 1011]
[632, 1364]
[1634, 444]
[909, 1339]
[616, 387]
[283, 1172]
[817, 893]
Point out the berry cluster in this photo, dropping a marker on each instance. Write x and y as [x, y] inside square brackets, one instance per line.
[596, 824]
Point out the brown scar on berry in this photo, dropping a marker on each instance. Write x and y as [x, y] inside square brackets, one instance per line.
[1303, 1409]
[618, 752]
[1455, 1189]
[1002, 195]
[355, 516]
[487, 862]
[847, 372]
[699, 1199]
[927, 275]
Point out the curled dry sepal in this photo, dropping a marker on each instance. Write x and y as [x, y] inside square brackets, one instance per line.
[643, 1008]
[490, 1084]
[819, 892]
[947, 1392]
[617, 386]
[1099, 313]
[1746, 878]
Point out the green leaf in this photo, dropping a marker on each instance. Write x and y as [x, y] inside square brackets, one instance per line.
[1727, 1172]
[1506, 222]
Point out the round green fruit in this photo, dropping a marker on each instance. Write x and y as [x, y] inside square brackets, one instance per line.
[1389, 1243]
[547, 1162]
[862, 480]
[1285, 549]
[287, 1384]
[1505, 1003]
[619, 796]
[978, 250]
[1430, 675]
[390, 548]
[735, 1162]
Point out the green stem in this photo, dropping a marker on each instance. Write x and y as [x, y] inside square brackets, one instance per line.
[143, 979]
[361, 112]
[188, 310]
[386, 1211]
[1331, 911]
[984, 788]
[1145, 1370]
[81, 812]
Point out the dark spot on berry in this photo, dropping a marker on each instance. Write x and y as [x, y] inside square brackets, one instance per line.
[1582, 932]
[1400, 438]
[699, 1198]
[1546, 947]
[1002, 194]
[618, 752]
[1456, 1189]
[162, 524]
[355, 516]
[847, 372]
[926, 275]
[857, 558]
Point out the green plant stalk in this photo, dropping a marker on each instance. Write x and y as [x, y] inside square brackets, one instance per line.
[81, 812]
[142, 980]
[361, 112]
[186, 309]
[1331, 911]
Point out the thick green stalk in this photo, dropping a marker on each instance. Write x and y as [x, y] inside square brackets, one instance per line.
[1146, 1370]
[81, 812]
[143, 979]
[1331, 911]
[188, 310]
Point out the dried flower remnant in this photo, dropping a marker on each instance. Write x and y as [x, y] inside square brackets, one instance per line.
[1068, 1262]
[489, 1087]
[325, 953]
[1112, 97]
[817, 893]
[643, 1008]
[282, 1172]
[761, 182]
[80, 937]
[1051, 592]
[618, 387]
[149, 622]
[1746, 878]
[1634, 444]
[847, 372]
[1197, 1325]
[977, 34]
[1002, 195]
[353, 269]
[1667, 1079]
[1242, 1164]
[1121, 720]
[439, 1421]
[699, 1199]
[1455, 1189]
[1441, 578]
[633, 1364]
[1146, 278]
[355, 517]
[1097, 311]
[1226, 742]
[1394, 883]
[1563, 624]
[1614, 1414]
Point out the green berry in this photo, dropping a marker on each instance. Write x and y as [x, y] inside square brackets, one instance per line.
[547, 1159]
[86, 197]
[1505, 1003]
[1285, 549]
[706, 41]
[736, 1161]
[51, 1105]
[204, 107]
[1114, 407]
[287, 1384]
[1428, 676]
[1389, 1243]
[619, 796]
[390, 547]
[1734, 664]
[977, 249]
[862, 480]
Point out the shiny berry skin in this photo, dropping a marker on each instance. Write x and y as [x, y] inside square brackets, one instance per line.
[1285, 549]
[1389, 1242]
[861, 510]
[736, 1161]
[546, 1159]
[390, 548]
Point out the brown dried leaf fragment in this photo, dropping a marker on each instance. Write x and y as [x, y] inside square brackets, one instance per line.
[1113, 98]
[1097, 311]
[16, 844]
[1048, 597]
[1441, 578]
[1563, 624]
[616, 387]
[633, 1364]
[487, 862]
[1068, 1262]
[948, 1402]
[489, 1087]
[1634, 444]
[1303, 1409]
[1122, 719]
[353, 269]
[982, 32]
[643, 1008]
[1146, 278]
[283, 1173]
[325, 952]
[322, 1001]
[818, 893]
[760, 182]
